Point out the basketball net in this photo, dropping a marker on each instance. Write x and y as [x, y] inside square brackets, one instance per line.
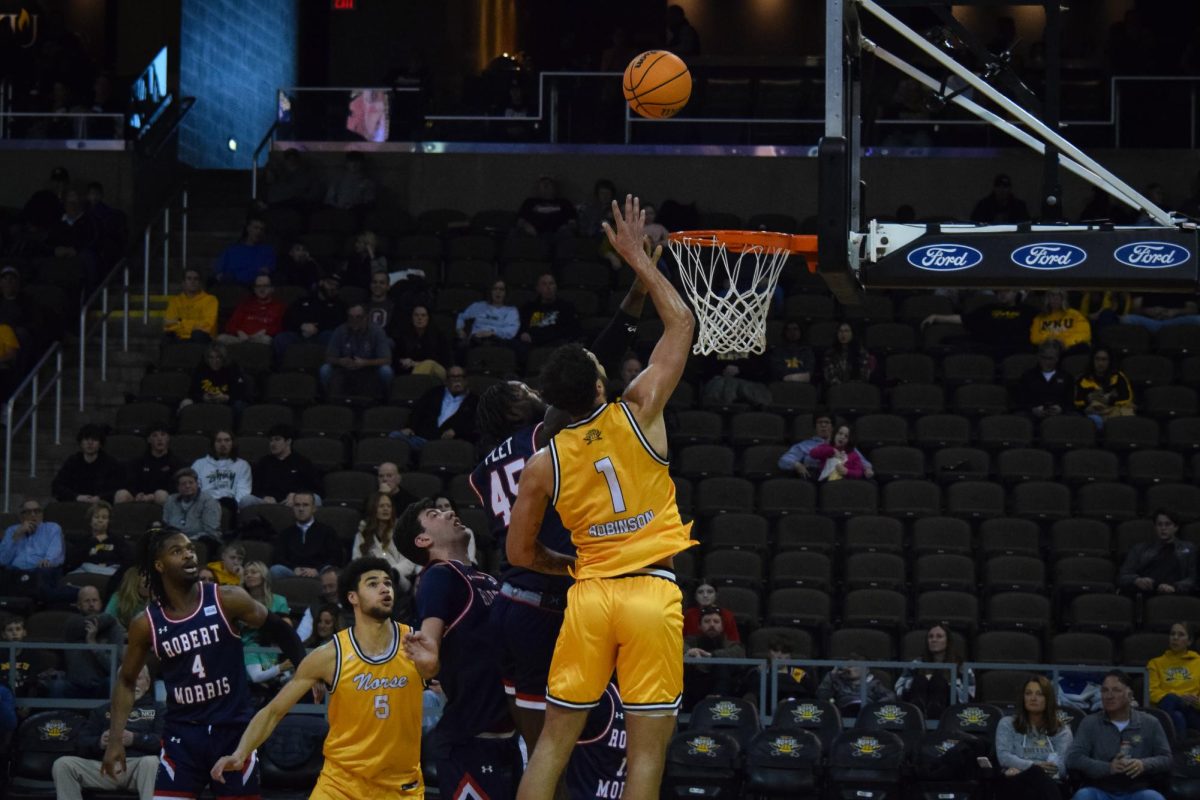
[730, 295]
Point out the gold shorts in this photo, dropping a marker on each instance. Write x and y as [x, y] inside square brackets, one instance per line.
[335, 783]
[633, 624]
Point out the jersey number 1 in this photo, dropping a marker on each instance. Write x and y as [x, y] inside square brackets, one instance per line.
[605, 467]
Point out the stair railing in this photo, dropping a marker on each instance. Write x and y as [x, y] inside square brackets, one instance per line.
[37, 389]
[91, 318]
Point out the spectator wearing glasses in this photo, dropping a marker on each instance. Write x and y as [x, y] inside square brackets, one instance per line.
[191, 315]
[32, 554]
[257, 318]
[443, 412]
[358, 359]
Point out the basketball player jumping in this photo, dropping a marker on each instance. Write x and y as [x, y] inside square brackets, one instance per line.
[606, 474]
[375, 671]
[192, 628]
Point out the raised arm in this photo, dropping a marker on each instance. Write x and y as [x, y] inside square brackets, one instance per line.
[649, 392]
[533, 495]
[123, 693]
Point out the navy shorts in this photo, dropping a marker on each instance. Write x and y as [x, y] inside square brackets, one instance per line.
[526, 634]
[188, 755]
[479, 769]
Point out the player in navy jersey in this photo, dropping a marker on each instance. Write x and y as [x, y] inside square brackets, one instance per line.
[596, 770]
[191, 627]
[474, 744]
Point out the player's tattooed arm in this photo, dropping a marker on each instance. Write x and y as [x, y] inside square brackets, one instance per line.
[533, 495]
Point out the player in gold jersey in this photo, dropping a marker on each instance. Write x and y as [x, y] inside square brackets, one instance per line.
[375, 672]
[606, 474]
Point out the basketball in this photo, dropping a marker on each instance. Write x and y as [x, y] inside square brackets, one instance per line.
[657, 84]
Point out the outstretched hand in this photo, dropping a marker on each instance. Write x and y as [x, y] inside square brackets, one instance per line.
[629, 237]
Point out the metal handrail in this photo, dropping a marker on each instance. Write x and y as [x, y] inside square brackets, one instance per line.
[37, 392]
[101, 319]
[165, 218]
[268, 138]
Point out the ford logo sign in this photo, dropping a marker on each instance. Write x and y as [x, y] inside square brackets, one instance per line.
[944, 257]
[1151, 255]
[1048, 255]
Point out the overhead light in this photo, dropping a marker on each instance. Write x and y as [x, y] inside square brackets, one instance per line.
[232, 144]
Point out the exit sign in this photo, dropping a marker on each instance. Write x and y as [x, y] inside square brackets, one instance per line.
[343, 5]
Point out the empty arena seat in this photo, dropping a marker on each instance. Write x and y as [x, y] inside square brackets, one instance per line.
[894, 462]
[959, 610]
[868, 533]
[933, 535]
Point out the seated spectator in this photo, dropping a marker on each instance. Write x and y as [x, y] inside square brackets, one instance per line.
[206, 575]
[33, 670]
[291, 183]
[351, 188]
[143, 745]
[114, 230]
[306, 547]
[840, 459]
[10, 361]
[358, 359]
[102, 553]
[998, 328]
[598, 208]
[731, 378]
[45, 207]
[847, 360]
[249, 257]
[258, 318]
[929, 689]
[390, 479]
[702, 680]
[329, 598]
[217, 381]
[150, 478]
[313, 318]
[381, 308]
[706, 597]
[190, 510]
[1032, 745]
[1046, 390]
[298, 268]
[88, 671]
[282, 472]
[1175, 680]
[490, 322]
[229, 567]
[1156, 311]
[1103, 391]
[376, 538]
[548, 320]
[631, 367]
[1105, 308]
[1119, 751]
[790, 360]
[325, 626]
[263, 668]
[443, 413]
[791, 680]
[363, 262]
[1166, 565]
[1000, 206]
[32, 554]
[1060, 323]
[91, 475]
[842, 686]
[77, 235]
[129, 599]
[799, 458]
[421, 349]
[545, 213]
[223, 476]
[191, 315]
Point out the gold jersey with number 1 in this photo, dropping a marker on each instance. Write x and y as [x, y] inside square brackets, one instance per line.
[615, 495]
[373, 749]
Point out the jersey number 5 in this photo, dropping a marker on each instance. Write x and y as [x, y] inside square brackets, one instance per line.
[382, 709]
[605, 467]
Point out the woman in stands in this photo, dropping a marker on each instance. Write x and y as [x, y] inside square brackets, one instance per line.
[1061, 323]
[262, 668]
[847, 360]
[1031, 745]
[324, 626]
[1103, 391]
[706, 597]
[929, 689]
[375, 540]
[421, 349]
[840, 459]
[1175, 680]
[102, 553]
[218, 381]
[130, 598]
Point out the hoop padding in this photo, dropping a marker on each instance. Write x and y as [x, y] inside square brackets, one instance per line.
[731, 297]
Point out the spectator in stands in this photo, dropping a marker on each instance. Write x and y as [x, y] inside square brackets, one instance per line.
[363, 262]
[791, 680]
[842, 687]
[545, 213]
[36, 326]
[282, 472]
[329, 598]
[76, 235]
[998, 328]
[736, 377]
[32, 554]
[421, 349]
[217, 381]
[150, 478]
[1156, 311]
[381, 308]
[206, 575]
[240, 263]
[840, 459]
[298, 267]
[705, 596]
[102, 553]
[34, 669]
[306, 547]
[1175, 679]
[10, 361]
[847, 360]
[257, 318]
[489, 322]
[263, 668]
[443, 412]
[1060, 323]
[682, 38]
[114, 231]
[929, 689]
[232, 562]
[223, 476]
[701, 680]
[1103, 391]
[191, 315]
[1105, 308]
[45, 206]
[548, 320]
[314, 317]
[1119, 750]
[351, 189]
[790, 360]
[292, 184]
[598, 208]
[1046, 390]
[1032, 744]
[324, 626]
[1000, 206]
[130, 598]
[376, 539]
[143, 744]
[1166, 565]
[88, 671]
[631, 367]
[90, 475]
[390, 479]
[358, 359]
[799, 458]
[190, 510]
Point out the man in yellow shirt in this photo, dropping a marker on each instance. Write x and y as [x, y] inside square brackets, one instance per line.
[191, 315]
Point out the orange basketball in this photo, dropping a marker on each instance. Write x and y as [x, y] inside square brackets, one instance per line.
[657, 84]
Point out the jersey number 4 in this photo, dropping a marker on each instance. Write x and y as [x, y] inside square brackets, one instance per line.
[503, 489]
[198, 668]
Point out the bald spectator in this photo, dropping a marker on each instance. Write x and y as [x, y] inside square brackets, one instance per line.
[89, 673]
[358, 359]
[389, 484]
[443, 412]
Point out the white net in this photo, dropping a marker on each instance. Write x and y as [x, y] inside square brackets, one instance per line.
[730, 293]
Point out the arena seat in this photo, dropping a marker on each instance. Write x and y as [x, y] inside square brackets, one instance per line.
[933, 535]
[802, 569]
[873, 534]
[1085, 465]
[1017, 611]
[805, 532]
[875, 608]
[895, 462]
[874, 571]
[959, 610]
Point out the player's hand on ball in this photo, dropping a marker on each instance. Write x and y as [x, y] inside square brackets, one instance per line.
[233, 763]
